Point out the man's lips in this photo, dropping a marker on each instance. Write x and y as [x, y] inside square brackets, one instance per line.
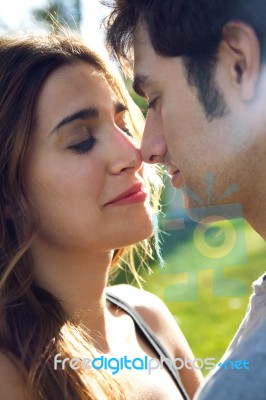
[176, 178]
[173, 171]
[136, 192]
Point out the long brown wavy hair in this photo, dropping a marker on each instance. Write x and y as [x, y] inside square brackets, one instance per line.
[33, 324]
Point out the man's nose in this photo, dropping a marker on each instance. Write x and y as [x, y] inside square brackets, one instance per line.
[153, 146]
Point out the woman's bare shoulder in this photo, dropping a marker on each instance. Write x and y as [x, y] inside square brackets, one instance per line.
[154, 312]
[157, 315]
[12, 384]
[139, 299]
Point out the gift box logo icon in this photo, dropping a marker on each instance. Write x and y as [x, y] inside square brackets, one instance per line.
[217, 242]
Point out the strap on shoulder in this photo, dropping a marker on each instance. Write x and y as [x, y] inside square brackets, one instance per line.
[150, 337]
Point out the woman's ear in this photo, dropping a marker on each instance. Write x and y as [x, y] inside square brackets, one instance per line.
[245, 61]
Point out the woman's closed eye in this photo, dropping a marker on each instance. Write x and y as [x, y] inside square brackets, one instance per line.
[127, 131]
[84, 146]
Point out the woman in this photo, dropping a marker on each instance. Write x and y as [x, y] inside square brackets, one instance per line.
[74, 198]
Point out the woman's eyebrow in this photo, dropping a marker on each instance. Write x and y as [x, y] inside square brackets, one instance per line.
[85, 114]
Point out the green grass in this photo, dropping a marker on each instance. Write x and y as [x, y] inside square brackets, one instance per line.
[208, 297]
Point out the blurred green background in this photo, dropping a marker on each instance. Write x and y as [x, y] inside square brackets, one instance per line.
[211, 318]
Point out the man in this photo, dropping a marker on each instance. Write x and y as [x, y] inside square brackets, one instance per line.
[201, 66]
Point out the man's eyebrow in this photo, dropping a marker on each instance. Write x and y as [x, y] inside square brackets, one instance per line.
[140, 82]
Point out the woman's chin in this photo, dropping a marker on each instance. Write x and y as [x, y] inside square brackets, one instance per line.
[137, 234]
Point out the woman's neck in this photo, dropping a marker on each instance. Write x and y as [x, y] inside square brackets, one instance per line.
[78, 281]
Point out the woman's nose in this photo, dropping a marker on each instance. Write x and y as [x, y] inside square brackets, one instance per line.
[124, 154]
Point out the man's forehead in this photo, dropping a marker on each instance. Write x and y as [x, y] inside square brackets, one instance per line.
[141, 35]
[141, 44]
[149, 66]
[144, 58]
[145, 67]
[141, 67]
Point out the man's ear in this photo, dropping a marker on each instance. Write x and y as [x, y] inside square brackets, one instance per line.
[244, 47]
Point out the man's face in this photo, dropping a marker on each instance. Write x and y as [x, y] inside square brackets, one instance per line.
[178, 133]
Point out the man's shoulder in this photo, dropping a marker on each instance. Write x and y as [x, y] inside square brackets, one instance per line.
[242, 373]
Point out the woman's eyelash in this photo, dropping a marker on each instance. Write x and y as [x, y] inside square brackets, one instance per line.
[127, 131]
[84, 146]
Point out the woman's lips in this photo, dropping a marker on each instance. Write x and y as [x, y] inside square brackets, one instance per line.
[135, 194]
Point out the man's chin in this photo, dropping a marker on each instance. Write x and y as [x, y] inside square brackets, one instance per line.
[193, 209]
[214, 213]
[203, 215]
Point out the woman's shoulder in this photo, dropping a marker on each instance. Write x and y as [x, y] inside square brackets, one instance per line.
[145, 303]
[12, 383]
[155, 313]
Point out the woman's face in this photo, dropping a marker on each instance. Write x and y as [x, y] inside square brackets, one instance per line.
[79, 159]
